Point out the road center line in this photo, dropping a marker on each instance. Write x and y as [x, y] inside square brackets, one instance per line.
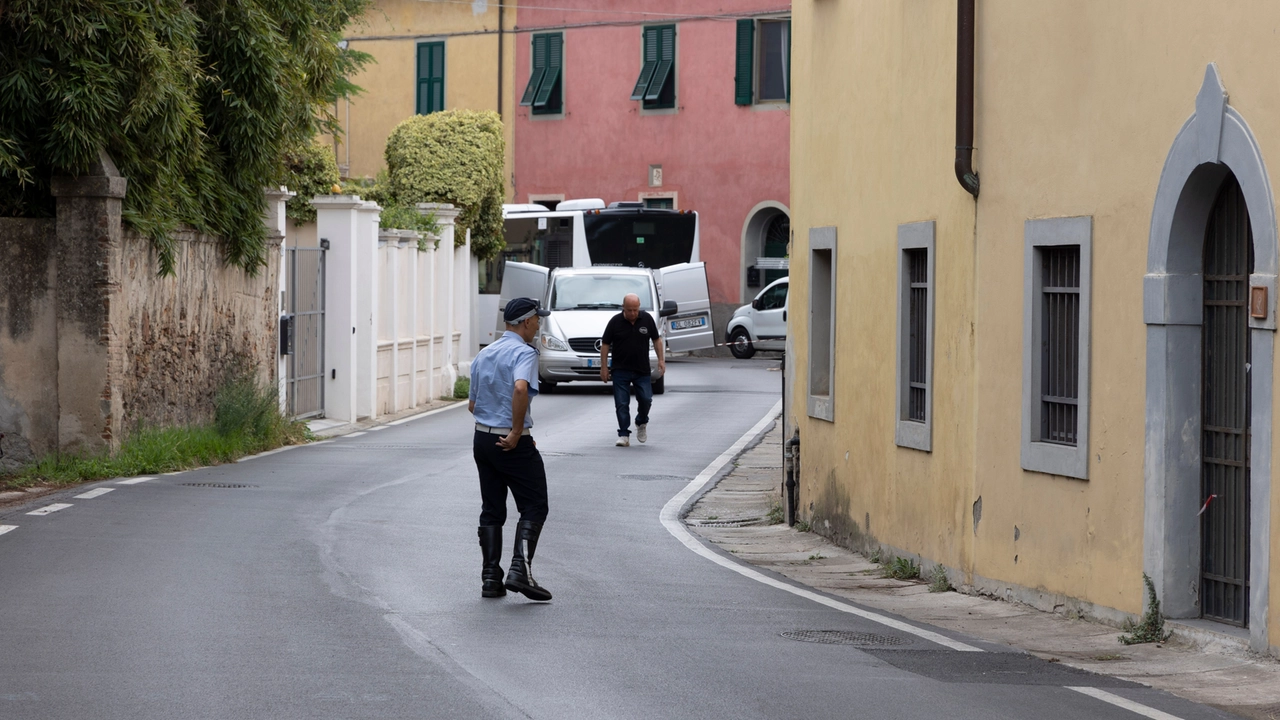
[7, 528]
[670, 517]
[50, 509]
[1129, 705]
[96, 492]
[135, 481]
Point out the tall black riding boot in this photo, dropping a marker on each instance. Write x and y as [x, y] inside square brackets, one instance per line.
[520, 578]
[491, 548]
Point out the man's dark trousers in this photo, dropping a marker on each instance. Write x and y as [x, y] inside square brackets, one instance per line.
[519, 469]
[623, 381]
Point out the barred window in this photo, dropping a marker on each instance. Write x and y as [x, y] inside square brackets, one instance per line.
[914, 428]
[918, 274]
[1060, 345]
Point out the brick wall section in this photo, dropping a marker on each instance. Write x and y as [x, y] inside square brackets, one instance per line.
[173, 339]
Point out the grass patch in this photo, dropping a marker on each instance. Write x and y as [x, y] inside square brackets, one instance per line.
[247, 420]
[1151, 628]
[775, 516]
[938, 581]
[802, 525]
[901, 569]
[462, 388]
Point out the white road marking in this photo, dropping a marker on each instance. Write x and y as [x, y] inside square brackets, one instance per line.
[321, 442]
[6, 528]
[135, 481]
[1129, 705]
[355, 434]
[268, 452]
[376, 429]
[96, 492]
[419, 416]
[670, 517]
[50, 509]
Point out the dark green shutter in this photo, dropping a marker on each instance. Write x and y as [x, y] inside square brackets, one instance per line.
[554, 54]
[742, 89]
[430, 77]
[666, 62]
[538, 71]
[650, 63]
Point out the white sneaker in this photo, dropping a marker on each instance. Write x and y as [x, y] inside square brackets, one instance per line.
[623, 441]
[642, 432]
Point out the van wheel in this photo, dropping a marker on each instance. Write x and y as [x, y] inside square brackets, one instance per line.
[660, 385]
[545, 386]
[740, 344]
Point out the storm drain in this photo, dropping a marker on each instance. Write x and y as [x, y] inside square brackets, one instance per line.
[231, 486]
[845, 637]
[652, 478]
[725, 523]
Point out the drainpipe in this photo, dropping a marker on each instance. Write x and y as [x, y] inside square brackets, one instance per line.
[965, 173]
[501, 6]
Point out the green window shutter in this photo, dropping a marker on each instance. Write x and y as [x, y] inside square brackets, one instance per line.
[666, 62]
[745, 58]
[539, 69]
[430, 77]
[786, 58]
[555, 57]
[650, 63]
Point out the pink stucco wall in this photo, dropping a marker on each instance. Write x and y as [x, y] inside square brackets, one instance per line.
[722, 159]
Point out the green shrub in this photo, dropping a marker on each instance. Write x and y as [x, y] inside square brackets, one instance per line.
[455, 156]
[310, 170]
[462, 388]
[1151, 628]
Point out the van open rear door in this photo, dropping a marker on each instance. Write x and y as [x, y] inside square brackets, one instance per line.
[521, 280]
[690, 328]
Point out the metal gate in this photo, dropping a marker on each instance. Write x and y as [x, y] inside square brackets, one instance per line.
[1224, 470]
[305, 301]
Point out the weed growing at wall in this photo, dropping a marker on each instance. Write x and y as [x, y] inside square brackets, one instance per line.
[938, 580]
[247, 421]
[197, 103]
[462, 388]
[455, 156]
[1151, 628]
[901, 568]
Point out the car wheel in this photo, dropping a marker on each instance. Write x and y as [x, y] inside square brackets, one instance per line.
[546, 386]
[660, 385]
[740, 344]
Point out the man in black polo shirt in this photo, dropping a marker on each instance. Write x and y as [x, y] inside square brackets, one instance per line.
[628, 335]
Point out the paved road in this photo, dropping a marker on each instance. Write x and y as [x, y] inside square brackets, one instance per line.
[342, 581]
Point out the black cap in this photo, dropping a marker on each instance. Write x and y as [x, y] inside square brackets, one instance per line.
[520, 309]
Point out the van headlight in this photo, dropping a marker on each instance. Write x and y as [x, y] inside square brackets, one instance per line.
[551, 342]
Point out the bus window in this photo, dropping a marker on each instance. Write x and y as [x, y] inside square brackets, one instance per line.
[640, 239]
[546, 241]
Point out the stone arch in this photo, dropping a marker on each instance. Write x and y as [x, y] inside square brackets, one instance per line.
[752, 243]
[1213, 143]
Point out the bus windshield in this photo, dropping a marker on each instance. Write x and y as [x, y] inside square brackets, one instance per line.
[599, 292]
[639, 239]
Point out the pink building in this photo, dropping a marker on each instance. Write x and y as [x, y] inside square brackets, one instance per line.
[683, 104]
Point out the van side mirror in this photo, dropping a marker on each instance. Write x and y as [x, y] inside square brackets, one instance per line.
[757, 304]
[669, 308]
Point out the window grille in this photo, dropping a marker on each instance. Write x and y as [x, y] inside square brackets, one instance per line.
[918, 275]
[1060, 344]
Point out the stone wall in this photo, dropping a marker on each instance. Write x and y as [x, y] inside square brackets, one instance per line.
[28, 347]
[182, 334]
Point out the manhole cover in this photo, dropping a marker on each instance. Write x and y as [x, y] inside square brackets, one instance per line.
[639, 476]
[845, 637]
[218, 485]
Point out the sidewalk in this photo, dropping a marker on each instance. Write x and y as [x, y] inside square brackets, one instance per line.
[1196, 664]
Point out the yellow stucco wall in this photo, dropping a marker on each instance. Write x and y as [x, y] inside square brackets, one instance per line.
[1078, 105]
[390, 32]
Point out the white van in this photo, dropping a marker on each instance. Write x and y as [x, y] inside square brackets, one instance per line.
[582, 301]
[762, 325]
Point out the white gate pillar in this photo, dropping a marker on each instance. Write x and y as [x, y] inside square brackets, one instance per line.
[465, 287]
[336, 223]
[442, 296]
[366, 290]
[275, 219]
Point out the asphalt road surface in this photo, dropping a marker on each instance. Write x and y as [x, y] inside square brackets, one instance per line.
[342, 580]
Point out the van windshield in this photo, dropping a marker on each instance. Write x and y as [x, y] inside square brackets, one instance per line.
[599, 292]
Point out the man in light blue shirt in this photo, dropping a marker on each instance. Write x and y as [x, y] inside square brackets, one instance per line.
[504, 379]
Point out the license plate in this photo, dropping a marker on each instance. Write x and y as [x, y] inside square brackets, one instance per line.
[689, 323]
[595, 363]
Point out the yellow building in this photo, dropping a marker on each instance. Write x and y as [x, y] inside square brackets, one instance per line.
[428, 55]
[1041, 384]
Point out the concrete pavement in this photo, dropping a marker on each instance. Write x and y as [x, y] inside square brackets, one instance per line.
[1198, 663]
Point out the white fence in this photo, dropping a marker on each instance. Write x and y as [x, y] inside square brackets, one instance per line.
[397, 319]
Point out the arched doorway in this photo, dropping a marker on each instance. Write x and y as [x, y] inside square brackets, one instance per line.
[766, 233]
[1209, 299]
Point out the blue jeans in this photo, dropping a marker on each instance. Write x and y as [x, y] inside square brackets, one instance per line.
[623, 381]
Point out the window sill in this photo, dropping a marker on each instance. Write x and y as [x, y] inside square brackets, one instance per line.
[821, 407]
[1053, 459]
[914, 435]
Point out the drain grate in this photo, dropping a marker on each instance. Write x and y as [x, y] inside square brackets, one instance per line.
[725, 523]
[845, 637]
[650, 478]
[218, 485]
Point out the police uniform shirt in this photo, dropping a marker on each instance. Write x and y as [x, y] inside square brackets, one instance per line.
[629, 343]
[494, 373]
